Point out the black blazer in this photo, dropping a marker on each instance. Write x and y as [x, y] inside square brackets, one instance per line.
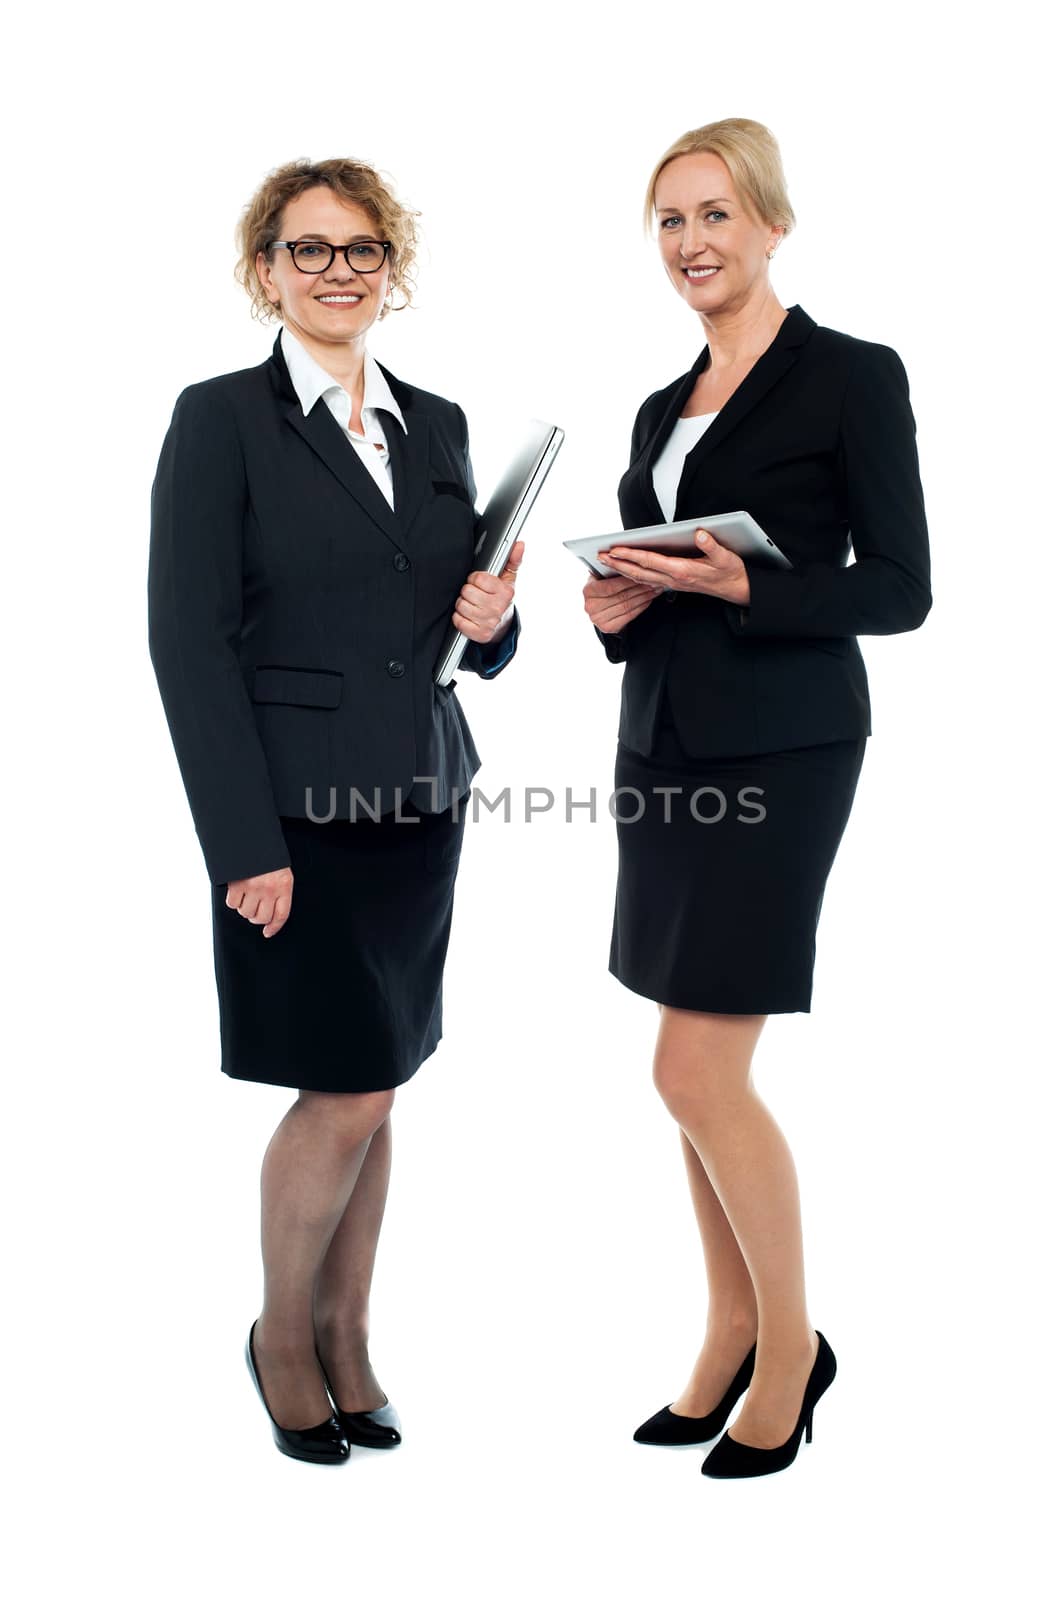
[294, 618]
[818, 444]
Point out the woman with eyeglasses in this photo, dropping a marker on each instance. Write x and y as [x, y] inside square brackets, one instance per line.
[311, 542]
[744, 716]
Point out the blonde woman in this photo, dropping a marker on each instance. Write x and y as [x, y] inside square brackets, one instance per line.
[312, 538]
[744, 715]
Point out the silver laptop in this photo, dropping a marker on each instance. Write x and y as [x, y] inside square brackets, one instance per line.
[501, 521]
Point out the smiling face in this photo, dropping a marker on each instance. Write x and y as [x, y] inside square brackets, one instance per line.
[714, 250]
[331, 307]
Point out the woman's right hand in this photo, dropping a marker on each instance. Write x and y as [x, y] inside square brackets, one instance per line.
[265, 899]
[613, 602]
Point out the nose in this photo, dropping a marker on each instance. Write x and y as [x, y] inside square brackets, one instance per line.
[690, 243]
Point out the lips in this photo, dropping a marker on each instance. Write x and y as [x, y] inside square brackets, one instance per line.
[338, 299]
[699, 274]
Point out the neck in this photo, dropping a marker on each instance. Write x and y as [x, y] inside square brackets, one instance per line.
[343, 360]
[737, 334]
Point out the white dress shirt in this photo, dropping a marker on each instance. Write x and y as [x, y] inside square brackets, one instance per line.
[312, 383]
[669, 465]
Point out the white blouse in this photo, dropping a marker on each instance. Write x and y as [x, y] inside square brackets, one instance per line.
[312, 383]
[668, 467]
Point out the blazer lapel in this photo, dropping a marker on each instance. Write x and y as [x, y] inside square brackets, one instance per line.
[320, 431]
[666, 422]
[409, 456]
[765, 373]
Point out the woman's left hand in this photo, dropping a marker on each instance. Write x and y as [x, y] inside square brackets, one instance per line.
[485, 607]
[716, 571]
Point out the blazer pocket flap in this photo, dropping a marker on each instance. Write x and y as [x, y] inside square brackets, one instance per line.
[460, 492]
[297, 686]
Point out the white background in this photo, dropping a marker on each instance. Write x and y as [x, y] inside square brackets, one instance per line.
[539, 1286]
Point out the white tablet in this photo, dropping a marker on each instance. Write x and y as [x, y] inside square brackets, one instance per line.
[736, 530]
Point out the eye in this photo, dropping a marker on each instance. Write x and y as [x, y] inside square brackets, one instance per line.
[722, 214]
[364, 251]
[665, 222]
[309, 251]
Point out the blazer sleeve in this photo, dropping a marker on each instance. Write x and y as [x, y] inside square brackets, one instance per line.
[195, 606]
[485, 660]
[616, 645]
[887, 587]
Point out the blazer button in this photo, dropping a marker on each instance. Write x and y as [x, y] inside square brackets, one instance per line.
[395, 669]
[400, 562]
[668, 594]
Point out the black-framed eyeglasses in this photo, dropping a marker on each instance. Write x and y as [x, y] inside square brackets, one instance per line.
[314, 255]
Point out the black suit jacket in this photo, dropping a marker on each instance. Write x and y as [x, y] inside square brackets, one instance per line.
[294, 618]
[818, 444]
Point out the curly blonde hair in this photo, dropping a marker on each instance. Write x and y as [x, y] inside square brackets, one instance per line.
[354, 181]
[750, 152]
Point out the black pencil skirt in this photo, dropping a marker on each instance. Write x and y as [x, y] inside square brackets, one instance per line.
[347, 997]
[717, 907]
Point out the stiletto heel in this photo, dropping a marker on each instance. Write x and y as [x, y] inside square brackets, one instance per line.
[668, 1427]
[325, 1442]
[373, 1430]
[730, 1458]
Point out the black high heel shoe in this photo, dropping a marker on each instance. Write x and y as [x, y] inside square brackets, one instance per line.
[667, 1427]
[373, 1430]
[730, 1458]
[325, 1442]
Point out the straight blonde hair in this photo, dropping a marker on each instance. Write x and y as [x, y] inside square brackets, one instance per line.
[750, 152]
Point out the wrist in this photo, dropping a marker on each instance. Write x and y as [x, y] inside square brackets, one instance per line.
[739, 594]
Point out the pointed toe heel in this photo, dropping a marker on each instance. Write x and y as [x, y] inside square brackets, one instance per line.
[372, 1430]
[730, 1458]
[668, 1427]
[325, 1442]
[375, 1430]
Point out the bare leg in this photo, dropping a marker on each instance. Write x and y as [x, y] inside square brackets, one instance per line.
[341, 1300]
[702, 1071]
[731, 1320]
[310, 1168]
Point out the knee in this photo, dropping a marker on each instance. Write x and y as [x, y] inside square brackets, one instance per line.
[352, 1117]
[360, 1121]
[675, 1082]
[692, 1091]
[702, 1063]
[378, 1105]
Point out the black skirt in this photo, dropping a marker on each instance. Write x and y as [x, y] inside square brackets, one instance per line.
[717, 907]
[347, 997]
